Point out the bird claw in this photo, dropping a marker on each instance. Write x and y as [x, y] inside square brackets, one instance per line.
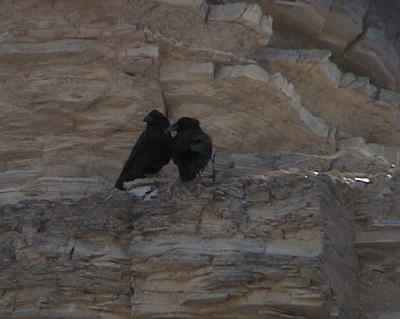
[214, 172]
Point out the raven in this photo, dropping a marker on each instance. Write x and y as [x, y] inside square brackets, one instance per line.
[191, 148]
[151, 152]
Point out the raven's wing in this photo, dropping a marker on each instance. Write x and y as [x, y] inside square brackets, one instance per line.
[138, 149]
[181, 142]
[200, 143]
[139, 146]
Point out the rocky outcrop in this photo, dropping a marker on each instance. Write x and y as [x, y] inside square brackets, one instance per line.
[261, 239]
[363, 34]
[280, 124]
[246, 245]
[327, 92]
[301, 220]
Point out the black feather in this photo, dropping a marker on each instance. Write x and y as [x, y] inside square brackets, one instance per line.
[151, 152]
[191, 148]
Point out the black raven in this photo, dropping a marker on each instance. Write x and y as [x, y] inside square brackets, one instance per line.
[191, 148]
[151, 152]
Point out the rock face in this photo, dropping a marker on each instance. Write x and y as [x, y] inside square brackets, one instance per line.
[363, 34]
[326, 92]
[302, 102]
[260, 240]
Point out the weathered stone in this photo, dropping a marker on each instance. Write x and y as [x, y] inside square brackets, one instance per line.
[379, 236]
[362, 31]
[200, 5]
[347, 79]
[145, 51]
[189, 3]
[387, 155]
[374, 50]
[229, 12]
[332, 73]
[360, 83]
[298, 14]
[186, 71]
[377, 244]
[289, 228]
[61, 46]
[198, 260]
[272, 54]
[389, 97]
[186, 28]
[354, 142]
[252, 17]
[250, 240]
[78, 114]
[205, 100]
[266, 27]
[391, 153]
[329, 95]
[251, 71]
[343, 23]
[249, 15]
[257, 234]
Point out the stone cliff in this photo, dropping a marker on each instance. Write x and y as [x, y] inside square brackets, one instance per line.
[302, 100]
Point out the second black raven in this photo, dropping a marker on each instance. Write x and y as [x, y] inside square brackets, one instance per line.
[151, 152]
[191, 148]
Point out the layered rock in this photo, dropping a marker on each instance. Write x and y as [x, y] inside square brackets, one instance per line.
[377, 245]
[243, 246]
[77, 81]
[264, 238]
[301, 221]
[264, 111]
[339, 98]
[362, 34]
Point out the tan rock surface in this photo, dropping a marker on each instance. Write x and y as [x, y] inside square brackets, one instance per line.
[340, 99]
[263, 239]
[361, 33]
[302, 219]
[77, 80]
[253, 98]
[244, 246]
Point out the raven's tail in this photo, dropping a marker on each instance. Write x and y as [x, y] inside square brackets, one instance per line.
[120, 183]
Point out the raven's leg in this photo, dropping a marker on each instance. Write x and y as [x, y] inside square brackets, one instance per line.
[213, 171]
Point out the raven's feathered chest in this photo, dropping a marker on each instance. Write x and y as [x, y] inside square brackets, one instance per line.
[191, 151]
